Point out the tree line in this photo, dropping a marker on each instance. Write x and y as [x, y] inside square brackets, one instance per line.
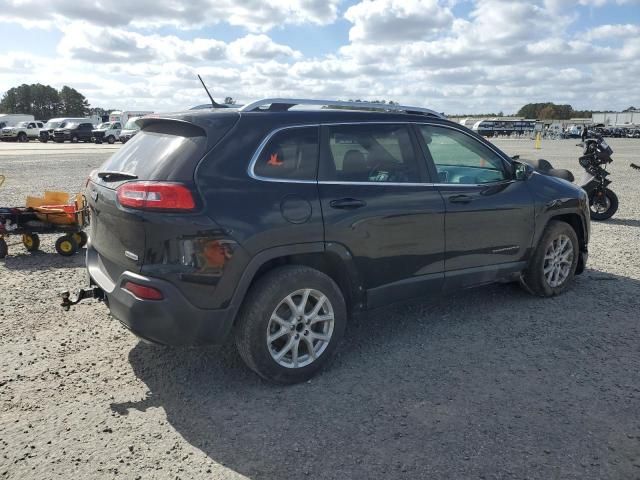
[45, 102]
[551, 111]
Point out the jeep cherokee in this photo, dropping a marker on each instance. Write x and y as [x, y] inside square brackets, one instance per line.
[275, 224]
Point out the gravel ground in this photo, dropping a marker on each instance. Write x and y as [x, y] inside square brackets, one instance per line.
[490, 383]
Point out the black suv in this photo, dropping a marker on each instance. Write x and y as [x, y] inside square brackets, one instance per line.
[74, 132]
[275, 225]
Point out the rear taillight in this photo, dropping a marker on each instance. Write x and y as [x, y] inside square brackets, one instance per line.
[156, 196]
[143, 292]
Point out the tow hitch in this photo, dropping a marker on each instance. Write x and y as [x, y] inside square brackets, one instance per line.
[83, 294]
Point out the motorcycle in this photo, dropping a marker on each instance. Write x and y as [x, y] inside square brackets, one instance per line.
[603, 202]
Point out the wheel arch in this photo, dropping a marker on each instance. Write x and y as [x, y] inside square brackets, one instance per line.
[577, 223]
[333, 260]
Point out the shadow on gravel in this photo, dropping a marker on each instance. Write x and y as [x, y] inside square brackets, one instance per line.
[37, 261]
[484, 384]
[627, 222]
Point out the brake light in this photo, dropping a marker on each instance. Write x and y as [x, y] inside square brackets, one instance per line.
[143, 292]
[156, 196]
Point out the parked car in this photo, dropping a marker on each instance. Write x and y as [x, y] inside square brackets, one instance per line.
[46, 133]
[107, 132]
[22, 132]
[274, 226]
[74, 132]
[633, 133]
[129, 130]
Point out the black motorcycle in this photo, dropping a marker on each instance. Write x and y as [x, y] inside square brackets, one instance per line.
[596, 153]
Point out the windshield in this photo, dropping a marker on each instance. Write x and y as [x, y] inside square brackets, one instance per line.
[22, 124]
[131, 124]
[69, 125]
[104, 126]
[51, 125]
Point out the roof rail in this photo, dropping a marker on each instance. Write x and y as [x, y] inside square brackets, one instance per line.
[284, 104]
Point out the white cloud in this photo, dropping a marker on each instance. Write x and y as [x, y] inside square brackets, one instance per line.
[83, 41]
[603, 32]
[260, 47]
[254, 15]
[383, 21]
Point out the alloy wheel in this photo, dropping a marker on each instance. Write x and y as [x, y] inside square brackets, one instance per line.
[558, 260]
[300, 328]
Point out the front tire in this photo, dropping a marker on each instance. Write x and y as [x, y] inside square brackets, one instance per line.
[111, 140]
[291, 324]
[602, 205]
[554, 261]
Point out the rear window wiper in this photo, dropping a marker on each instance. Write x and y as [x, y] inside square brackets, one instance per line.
[109, 176]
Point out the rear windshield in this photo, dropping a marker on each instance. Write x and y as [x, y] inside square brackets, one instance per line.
[160, 154]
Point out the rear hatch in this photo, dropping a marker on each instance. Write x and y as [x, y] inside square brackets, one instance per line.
[164, 150]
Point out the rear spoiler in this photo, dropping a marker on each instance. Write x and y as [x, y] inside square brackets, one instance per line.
[190, 124]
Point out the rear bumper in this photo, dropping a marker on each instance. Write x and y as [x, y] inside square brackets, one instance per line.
[170, 321]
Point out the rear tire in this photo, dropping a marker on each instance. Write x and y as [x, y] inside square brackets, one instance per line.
[553, 264]
[606, 208]
[31, 242]
[291, 324]
[81, 238]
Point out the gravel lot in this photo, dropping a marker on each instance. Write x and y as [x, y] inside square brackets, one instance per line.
[490, 383]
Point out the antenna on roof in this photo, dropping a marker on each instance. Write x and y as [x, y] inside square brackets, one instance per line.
[213, 102]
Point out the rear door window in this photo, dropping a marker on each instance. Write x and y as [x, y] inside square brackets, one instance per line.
[291, 154]
[376, 153]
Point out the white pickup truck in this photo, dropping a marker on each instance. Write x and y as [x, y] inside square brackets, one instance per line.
[22, 132]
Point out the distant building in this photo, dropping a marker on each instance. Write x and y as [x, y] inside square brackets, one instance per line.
[617, 119]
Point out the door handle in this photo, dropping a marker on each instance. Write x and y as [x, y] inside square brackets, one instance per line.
[460, 199]
[347, 203]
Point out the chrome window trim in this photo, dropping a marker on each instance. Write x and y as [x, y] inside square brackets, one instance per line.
[263, 144]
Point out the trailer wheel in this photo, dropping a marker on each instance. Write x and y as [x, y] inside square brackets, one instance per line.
[4, 250]
[66, 245]
[81, 238]
[31, 242]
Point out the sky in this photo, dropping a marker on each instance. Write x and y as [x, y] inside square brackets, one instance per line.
[454, 56]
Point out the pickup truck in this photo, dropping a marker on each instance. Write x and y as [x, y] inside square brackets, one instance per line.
[22, 132]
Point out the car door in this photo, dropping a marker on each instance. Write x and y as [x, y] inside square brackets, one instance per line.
[378, 203]
[489, 214]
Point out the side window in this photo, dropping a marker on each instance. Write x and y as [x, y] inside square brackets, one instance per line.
[40, 125]
[31, 125]
[460, 158]
[291, 154]
[116, 126]
[376, 153]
